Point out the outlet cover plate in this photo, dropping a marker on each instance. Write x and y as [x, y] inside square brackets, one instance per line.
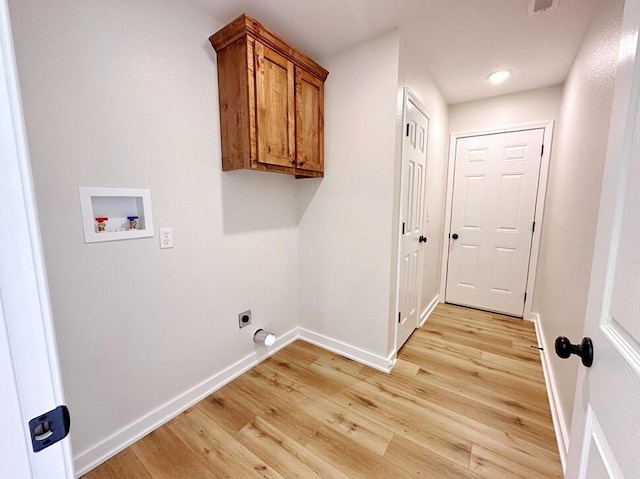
[242, 321]
[166, 238]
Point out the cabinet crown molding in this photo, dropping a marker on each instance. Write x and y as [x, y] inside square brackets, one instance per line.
[244, 25]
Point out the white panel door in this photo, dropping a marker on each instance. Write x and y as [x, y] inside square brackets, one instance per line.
[605, 432]
[414, 162]
[494, 199]
[29, 373]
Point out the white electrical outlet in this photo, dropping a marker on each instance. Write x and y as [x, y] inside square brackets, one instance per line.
[166, 238]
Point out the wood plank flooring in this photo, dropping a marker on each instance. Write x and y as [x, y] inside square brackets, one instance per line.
[466, 399]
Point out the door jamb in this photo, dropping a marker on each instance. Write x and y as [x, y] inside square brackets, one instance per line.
[540, 201]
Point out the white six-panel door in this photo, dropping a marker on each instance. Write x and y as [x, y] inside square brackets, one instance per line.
[605, 431]
[494, 199]
[414, 162]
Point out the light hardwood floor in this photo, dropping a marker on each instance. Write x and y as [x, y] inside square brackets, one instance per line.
[466, 399]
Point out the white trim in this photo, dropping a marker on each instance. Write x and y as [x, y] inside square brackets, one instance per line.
[448, 203]
[343, 349]
[589, 420]
[559, 420]
[539, 216]
[14, 445]
[547, 126]
[593, 434]
[92, 457]
[429, 309]
[604, 448]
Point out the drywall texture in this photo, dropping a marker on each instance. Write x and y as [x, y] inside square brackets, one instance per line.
[124, 94]
[345, 242]
[573, 194]
[530, 106]
[414, 74]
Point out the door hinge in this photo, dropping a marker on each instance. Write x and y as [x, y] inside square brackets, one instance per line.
[408, 129]
[399, 316]
[525, 296]
[403, 228]
[533, 228]
[49, 428]
[542, 150]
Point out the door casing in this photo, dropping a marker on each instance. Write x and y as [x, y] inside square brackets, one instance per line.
[542, 188]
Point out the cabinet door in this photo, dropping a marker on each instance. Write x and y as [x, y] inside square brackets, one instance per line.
[275, 124]
[309, 122]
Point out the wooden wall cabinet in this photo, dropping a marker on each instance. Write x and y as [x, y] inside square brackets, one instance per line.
[271, 102]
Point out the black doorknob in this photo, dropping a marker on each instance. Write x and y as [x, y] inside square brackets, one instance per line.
[564, 349]
[454, 235]
[422, 239]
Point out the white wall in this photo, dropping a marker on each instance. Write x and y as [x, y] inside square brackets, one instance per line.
[414, 73]
[124, 94]
[529, 106]
[573, 194]
[345, 241]
[348, 221]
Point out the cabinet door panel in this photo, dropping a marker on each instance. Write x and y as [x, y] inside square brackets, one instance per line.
[309, 122]
[275, 122]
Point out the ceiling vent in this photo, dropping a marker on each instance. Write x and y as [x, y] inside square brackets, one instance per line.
[541, 6]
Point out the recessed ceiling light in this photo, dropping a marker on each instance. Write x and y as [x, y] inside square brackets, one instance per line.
[500, 76]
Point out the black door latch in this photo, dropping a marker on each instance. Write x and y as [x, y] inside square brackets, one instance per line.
[49, 428]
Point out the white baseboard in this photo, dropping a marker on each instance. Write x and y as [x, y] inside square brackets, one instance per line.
[95, 455]
[429, 309]
[364, 357]
[559, 420]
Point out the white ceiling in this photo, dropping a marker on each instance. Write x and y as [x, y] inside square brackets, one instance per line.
[463, 40]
